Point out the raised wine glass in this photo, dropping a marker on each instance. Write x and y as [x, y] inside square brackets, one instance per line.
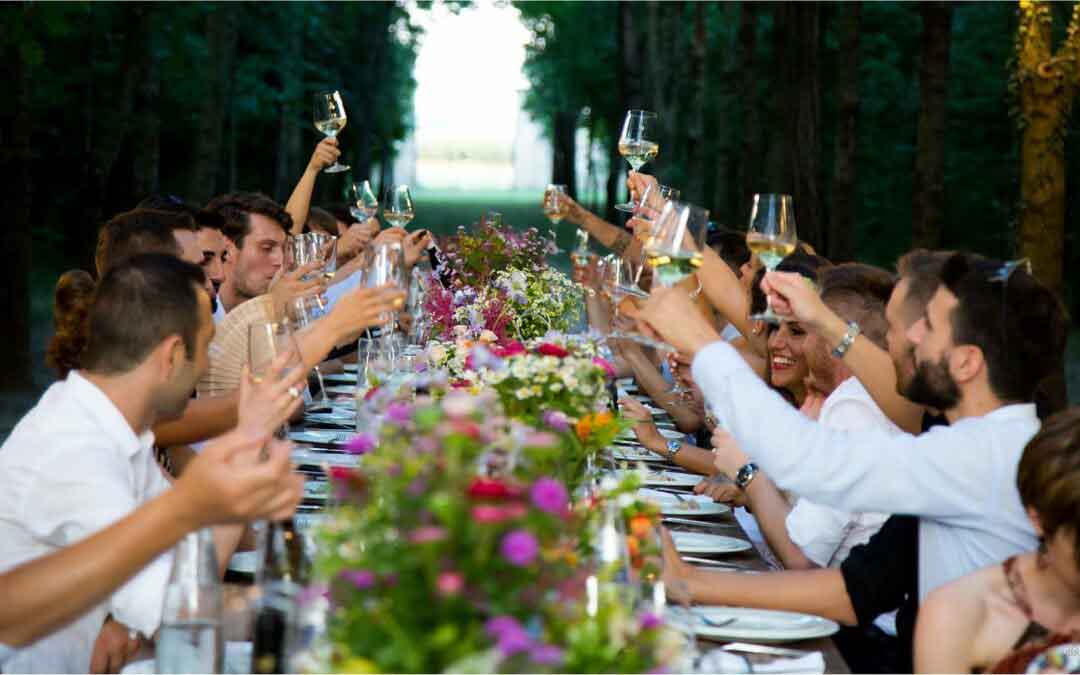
[555, 205]
[330, 118]
[302, 312]
[362, 201]
[266, 340]
[674, 250]
[398, 206]
[771, 236]
[324, 252]
[620, 277]
[638, 144]
[386, 267]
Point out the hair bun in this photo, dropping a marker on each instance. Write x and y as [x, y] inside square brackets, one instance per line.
[71, 307]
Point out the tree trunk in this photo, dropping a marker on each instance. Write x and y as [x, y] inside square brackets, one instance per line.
[1048, 88]
[221, 37]
[147, 160]
[286, 169]
[750, 164]
[695, 121]
[928, 181]
[15, 237]
[804, 144]
[562, 165]
[842, 215]
[782, 109]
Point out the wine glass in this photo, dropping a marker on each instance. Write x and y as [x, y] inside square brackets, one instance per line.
[302, 312]
[653, 199]
[674, 250]
[398, 206]
[386, 267]
[266, 340]
[619, 281]
[362, 201]
[555, 205]
[494, 219]
[771, 237]
[637, 143]
[329, 116]
[324, 252]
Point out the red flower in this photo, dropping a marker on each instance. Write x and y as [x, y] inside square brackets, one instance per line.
[465, 428]
[512, 348]
[460, 384]
[370, 392]
[548, 349]
[485, 488]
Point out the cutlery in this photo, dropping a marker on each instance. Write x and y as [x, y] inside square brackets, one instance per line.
[677, 495]
[716, 563]
[750, 648]
[712, 623]
[698, 523]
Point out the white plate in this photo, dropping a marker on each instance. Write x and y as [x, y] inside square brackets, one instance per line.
[625, 453]
[664, 478]
[695, 505]
[306, 521]
[341, 390]
[309, 457]
[344, 378]
[316, 489]
[753, 625]
[337, 417]
[700, 542]
[320, 436]
[243, 562]
[351, 368]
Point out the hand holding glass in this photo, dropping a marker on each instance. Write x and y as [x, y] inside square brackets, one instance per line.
[329, 115]
[362, 201]
[637, 143]
[771, 236]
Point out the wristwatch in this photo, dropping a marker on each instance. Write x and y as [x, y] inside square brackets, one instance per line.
[745, 475]
[673, 448]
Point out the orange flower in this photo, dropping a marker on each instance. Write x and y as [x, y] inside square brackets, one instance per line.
[586, 425]
[640, 526]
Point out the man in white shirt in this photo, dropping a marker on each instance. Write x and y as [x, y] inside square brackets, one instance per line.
[990, 333]
[82, 458]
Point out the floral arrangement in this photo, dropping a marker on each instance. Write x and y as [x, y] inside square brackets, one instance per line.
[444, 556]
[540, 301]
[474, 256]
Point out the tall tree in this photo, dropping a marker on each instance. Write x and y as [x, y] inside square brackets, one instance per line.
[695, 113]
[147, 154]
[1048, 83]
[562, 171]
[804, 135]
[750, 137]
[781, 111]
[842, 221]
[928, 183]
[18, 51]
[221, 37]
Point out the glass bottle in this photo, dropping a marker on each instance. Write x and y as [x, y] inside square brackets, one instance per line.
[276, 576]
[190, 639]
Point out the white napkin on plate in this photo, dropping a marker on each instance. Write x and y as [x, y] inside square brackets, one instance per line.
[719, 661]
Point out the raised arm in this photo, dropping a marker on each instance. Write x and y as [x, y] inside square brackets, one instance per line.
[652, 381]
[613, 237]
[326, 153]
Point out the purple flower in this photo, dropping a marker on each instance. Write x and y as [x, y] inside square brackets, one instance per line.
[519, 548]
[417, 487]
[649, 621]
[546, 655]
[556, 419]
[399, 413]
[549, 495]
[511, 638]
[540, 439]
[361, 579]
[361, 444]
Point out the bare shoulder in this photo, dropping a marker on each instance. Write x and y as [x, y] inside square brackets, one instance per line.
[951, 620]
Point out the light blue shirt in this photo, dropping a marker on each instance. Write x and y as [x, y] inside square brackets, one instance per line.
[340, 289]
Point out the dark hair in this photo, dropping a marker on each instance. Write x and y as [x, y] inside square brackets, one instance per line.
[138, 231]
[340, 210]
[1018, 323]
[731, 246]
[859, 293]
[173, 204]
[137, 304]
[321, 220]
[921, 268]
[236, 208]
[1048, 477]
[71, 308]
[806, 264]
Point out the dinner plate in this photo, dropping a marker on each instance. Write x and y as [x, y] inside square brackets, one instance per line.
[351, 368]
[700, 542]
[243, 562]
[751, 625]
[344, 378]
[673, 434]
[341, 390]
[664, 478]
[317, 490]
[320, 436]
[335, 417]
[311, 457]
[627, 453]
[691, 505]
[306, 521]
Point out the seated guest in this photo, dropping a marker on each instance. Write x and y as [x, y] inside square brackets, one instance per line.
[978, 364]
[227, 483]
[209, 237]
[82, 458]
[1000, 618]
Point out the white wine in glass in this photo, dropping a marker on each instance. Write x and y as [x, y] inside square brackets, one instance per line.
[771, 236]
[638, 144]
[398, 206]
[555, 206]
[675, 249]
[329, 117]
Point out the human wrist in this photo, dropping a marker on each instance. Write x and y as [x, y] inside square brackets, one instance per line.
[831, 328]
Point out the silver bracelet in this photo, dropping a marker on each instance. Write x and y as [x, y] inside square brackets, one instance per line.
[853, 331]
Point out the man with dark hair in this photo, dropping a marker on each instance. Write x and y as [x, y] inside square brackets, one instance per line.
[209, 239]
[82, 458]
[144, 231]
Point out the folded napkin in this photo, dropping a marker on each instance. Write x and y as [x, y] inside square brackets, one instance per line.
[719, 661]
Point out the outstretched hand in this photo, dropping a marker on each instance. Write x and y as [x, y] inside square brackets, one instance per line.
[792, 296]
[363, 308]
[670, 314]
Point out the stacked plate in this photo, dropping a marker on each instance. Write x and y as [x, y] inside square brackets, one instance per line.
[688, 505]
[750, 625]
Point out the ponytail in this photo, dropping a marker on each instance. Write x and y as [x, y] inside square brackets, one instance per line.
[71, 308]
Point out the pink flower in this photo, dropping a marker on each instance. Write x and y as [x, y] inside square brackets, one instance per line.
[541, 439]
[486, 488]
[519, 548]
[362, 579]
[512, 348]
[549, 495]
[556, 419]
[649, 621]
[449, 583]
[361, 444]
[399, 413]
[549, 349]
[487, 514]
[427, 534]
[546, 655]
[603, 363]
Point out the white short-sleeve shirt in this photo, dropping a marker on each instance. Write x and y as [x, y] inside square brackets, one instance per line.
[71, 467]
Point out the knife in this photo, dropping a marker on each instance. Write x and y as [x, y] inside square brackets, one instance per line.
[716, 563]
[750, 648]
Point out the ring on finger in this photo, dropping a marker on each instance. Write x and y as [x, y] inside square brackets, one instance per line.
[294, 392]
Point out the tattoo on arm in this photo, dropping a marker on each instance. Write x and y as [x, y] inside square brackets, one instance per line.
[622, 242]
